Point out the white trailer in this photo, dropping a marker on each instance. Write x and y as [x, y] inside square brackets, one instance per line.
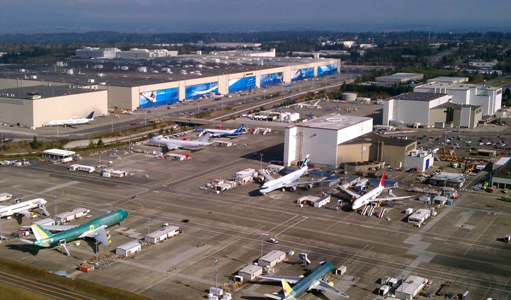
[83, 168]
[45, 222]
[418, 217]
[129, 249]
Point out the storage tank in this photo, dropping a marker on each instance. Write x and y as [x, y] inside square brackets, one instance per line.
[349, 96]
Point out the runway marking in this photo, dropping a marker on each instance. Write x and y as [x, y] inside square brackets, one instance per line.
[498, 297]
[353, 261]
[498, 215]
[290, 226]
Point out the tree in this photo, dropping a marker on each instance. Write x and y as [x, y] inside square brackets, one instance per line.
[35, 143]
[150, 135]
[100, 143]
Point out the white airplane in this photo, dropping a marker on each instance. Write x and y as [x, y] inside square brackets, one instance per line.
[286, 181]
[371, 196]
[173, 144]
[23, 208]
[222, 132]
[73, 121]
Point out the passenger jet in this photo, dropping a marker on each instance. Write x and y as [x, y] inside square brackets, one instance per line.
[73, 121]
[173, 144]
[371, 196]
[221, 132]
[23, 208]
[286, 181]
[93, 229]
[316, 281]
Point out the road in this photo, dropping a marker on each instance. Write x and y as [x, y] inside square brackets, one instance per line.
[436, 58]
[41, 288]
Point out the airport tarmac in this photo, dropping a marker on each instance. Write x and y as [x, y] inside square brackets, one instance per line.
[459, 245]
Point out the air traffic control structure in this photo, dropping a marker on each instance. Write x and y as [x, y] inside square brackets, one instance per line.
[32, 95]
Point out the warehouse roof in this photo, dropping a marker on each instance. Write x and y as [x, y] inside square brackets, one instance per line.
[162, 231]
[130, 245]
[448, 79]
[372, 137]
[413, 96]
[42, 91]
[456, 105]
[400, 77]
[456, 86]
[58, 152]
[273, 255]
[333, 121]
[504, 171]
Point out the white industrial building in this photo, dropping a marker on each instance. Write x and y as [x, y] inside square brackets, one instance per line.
[272, 258]
[162, 234]
[419, 159]
[400, 78]
[58, 153]
[43, 93]
[489, 98]
[129, 249]
[414, 108]
[411, 287]
[448, 79]
[321, 137]
[71, 215]
[94, 52]
[250, 272]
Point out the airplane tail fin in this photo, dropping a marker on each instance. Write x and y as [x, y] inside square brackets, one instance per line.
[304, 164]
[39, 232]
[287, 289]
[205, 138]
[382, 182]
[90, 116]
[239, 129]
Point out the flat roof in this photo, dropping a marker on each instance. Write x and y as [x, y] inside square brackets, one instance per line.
[250, 269]
[58, 152]
[415, 96]
[162, 231]
[401, 76]
[504, 171]
[448, 79]
[456, 86]
[456, 105]
[44, 91]
[108, 71]
[273, 255]
[130, 245]
[372, 137]
[411, 284]
[333, 121]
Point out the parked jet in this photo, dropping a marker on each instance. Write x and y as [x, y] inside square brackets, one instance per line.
[23, 208]
[93, 229]
[173, 144]
[221, 132]
[73, 121]
[371, 196]
[317, 280]
[286, 181]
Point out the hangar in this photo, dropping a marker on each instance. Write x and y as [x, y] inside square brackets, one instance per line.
[66, 89]
[321, 137]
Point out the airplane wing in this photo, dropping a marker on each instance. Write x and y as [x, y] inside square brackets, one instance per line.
[302, 183]
[390, 199]
[58, 227]
[352, 194]
[273, 296]
[171, 146]
[267, 176]
[325, 287]
[3, 206]
[99, 234]
[289, 279]
[26, 213]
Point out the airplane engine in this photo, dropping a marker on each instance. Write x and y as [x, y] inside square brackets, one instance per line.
[292, 189]
[309, 186]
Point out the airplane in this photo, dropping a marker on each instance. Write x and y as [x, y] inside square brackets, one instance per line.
[23, 208]
[173, 144]
[371, 196]
[315, 281]
[68, 233]
[221, 132]
[286, 181]
[73, 121]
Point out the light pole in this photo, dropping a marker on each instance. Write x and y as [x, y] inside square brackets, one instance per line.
[261, 161]
[402, 280]
[55, 214]
[148, 223]
[262, 244]
[216, 273]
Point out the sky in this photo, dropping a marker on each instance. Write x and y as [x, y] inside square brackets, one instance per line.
[159, 16]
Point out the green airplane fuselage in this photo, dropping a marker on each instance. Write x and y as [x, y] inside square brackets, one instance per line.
[72, 234]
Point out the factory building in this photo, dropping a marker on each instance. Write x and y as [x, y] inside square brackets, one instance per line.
[422, 160]
[457, 115]
[489, 98]
[399, 78]
[39, 104]
[502, 178]
[94, 52]
[373, 147]
[43, 93]
[414, 108]
[447, 79]
[321, 137]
